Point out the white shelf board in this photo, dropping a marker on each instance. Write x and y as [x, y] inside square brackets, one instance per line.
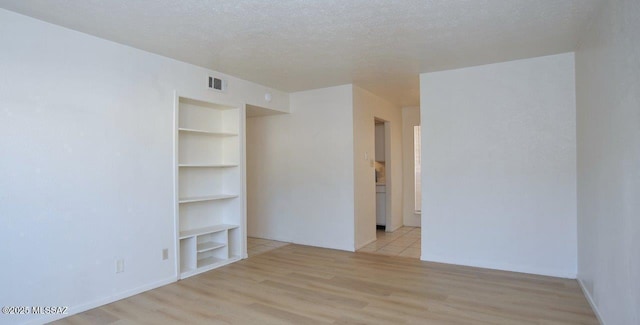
[208, 246]
[210, 261]
[207, 198]
[220, 134]
[206, 230]
[216, 106]
[204, 268]
[208, 165]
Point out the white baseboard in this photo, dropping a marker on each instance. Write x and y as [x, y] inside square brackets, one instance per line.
[501, 267]
[100, 302]
[395, 228]
[323, 245]
[409, 223]
[590, 300]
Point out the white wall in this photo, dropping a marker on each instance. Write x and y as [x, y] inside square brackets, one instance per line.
[86, 164]
[366, 106]
[608, 112]
[303, 191]
[410, 118]
[499, 166]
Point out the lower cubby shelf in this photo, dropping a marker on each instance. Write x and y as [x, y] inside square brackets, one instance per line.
[210, 245]
[206, 248]
[207, 265]
[210, 261]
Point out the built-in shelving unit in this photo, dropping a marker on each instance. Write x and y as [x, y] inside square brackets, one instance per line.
[209, 185]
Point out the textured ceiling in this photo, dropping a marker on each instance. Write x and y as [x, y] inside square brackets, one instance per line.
[380, 45]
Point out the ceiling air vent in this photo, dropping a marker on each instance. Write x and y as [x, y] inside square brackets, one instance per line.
[217, 84]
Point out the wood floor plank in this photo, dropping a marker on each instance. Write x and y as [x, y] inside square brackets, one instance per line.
[296, 284]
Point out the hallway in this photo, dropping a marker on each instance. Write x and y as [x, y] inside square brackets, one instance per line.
[404, 242]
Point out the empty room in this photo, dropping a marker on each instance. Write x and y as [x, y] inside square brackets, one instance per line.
[320, 162]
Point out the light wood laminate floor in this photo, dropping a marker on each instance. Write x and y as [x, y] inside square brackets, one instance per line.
[257, 246]
[306, 285]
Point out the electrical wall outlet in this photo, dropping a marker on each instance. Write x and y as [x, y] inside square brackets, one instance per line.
[165, 254]
[120, 265]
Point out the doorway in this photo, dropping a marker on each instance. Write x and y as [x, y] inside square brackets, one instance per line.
[404, 241]
[383, 177]
[257, 182]
[380, 159]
